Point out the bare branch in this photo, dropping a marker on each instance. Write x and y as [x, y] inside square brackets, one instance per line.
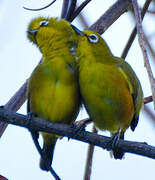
[68, 9]
[152, 51]
[79, 9]
[14, 104]
[111, 15]
[141, 40]
[37, 124]
[148, 99]
[134, 31]
[89, 162]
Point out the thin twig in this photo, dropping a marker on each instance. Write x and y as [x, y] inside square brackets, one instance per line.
[37, 124]
[150, 11]
[148, 99]
[134, 31]
[111, 15]
[68, 9]
[84, 121]
[150, 47]
[141, 40]
[89, 161]
[79, 9]
[39, 9]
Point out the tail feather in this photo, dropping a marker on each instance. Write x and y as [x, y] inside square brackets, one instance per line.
[134, 122]
[48, 151]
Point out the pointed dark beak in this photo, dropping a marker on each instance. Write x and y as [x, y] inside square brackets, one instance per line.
[33, 32]
[77, 30]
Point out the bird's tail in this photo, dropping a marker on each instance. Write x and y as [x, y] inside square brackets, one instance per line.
[47, 152]
[116, 152]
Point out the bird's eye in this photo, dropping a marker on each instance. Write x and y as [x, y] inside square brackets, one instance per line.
[44, 23]
[93, 38]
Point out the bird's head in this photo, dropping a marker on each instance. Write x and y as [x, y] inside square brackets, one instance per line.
[50, 32]
[90, 41]
[36, 25]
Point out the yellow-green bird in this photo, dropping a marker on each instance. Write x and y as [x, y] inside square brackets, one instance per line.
[53, 90]
[110, 89]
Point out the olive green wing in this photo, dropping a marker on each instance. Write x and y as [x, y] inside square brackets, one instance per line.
[134, 87]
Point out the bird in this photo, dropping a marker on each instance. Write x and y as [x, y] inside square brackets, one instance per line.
[111, 91]
[53, 91]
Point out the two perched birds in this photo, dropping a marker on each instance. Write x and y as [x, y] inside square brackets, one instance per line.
[78, 67]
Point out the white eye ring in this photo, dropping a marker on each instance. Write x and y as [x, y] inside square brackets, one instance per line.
[44, 23]
[93, 38]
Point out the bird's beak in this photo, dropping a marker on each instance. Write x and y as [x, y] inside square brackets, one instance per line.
[33, 32]
[77, 30]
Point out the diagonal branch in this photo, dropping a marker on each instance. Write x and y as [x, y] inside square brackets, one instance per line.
[14, 104]
[37, 124]
[78, 10]
[16, 101]
[142, 44]
[68, 9]
[134, 31]
[111, 15]
[148, 99]
[152, 51]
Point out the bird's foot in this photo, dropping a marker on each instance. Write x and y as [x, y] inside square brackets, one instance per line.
[116, 152]
[34, 133]
[114, 140]
[78, 127]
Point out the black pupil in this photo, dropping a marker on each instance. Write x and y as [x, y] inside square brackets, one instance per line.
[93, 37]
[44, 23]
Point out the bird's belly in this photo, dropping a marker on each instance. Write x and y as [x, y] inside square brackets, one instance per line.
[110, 114]
[57, 103]
[109, 104]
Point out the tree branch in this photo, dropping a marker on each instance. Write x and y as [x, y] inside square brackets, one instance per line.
[150, 46]
[16, 101]
[68, 9]
[78, 10]
[134, 31]
[148, 99]
[89, 161]
[111, 15]
[38, 124]
[142, 44]
[14, 104]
